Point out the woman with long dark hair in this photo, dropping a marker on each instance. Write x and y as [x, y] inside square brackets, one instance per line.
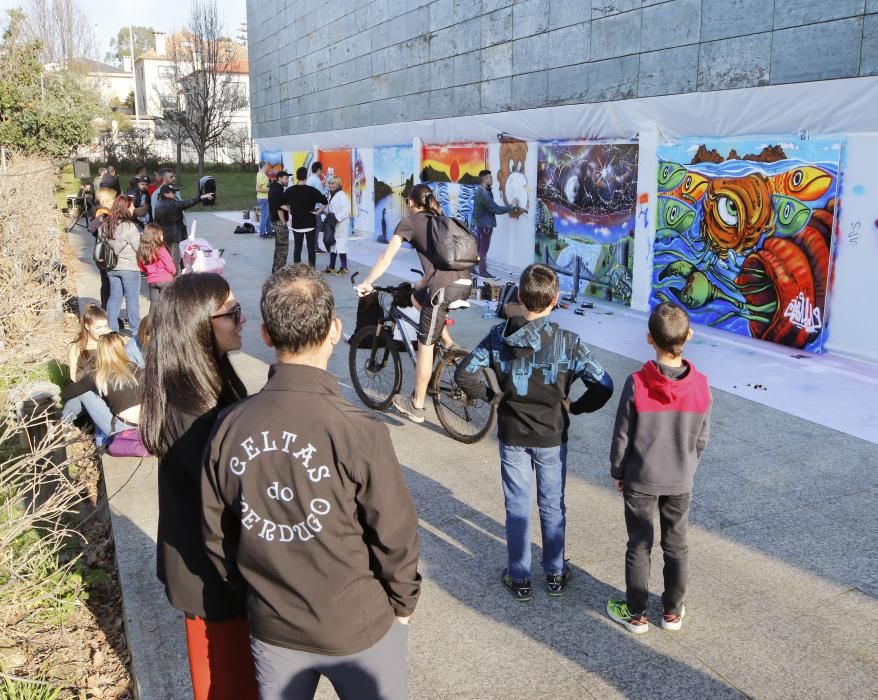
[189, 379]
[124, 237]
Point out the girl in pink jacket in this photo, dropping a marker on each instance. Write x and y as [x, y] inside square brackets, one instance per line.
[155, 261]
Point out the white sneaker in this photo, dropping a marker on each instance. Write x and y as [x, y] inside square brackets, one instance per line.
[673, 622]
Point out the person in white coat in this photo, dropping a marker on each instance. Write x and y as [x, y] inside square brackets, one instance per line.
[339, 207]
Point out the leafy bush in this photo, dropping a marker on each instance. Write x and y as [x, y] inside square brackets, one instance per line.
[42, 112]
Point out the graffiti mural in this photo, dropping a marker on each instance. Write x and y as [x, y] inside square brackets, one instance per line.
[393, 180]
[338, 162]
[363, 205]
[586, 216]
[744, 243]
[453, 174]
[275, 162]
[511, 177]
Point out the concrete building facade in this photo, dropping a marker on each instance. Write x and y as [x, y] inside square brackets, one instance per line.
[384, 61]
[754, 92]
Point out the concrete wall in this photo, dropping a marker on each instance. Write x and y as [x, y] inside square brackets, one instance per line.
[335, 64]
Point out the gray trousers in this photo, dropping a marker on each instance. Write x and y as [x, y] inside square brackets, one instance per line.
[378, 673]
[673, 519]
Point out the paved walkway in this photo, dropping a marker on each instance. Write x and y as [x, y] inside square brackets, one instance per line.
[783, 549]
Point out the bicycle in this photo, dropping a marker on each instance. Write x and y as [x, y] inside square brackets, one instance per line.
[376, 368]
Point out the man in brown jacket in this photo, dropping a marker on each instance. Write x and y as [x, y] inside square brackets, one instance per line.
[306, 506]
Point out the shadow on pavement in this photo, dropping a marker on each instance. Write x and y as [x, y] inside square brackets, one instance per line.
[567, 625]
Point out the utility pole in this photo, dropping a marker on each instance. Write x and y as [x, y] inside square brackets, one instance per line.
[134, 77]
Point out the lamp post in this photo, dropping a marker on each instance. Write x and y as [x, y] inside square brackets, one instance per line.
[134, 77]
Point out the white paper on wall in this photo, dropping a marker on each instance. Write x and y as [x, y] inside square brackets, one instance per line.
[514, 166]
[852, 320]
[363, 204]
[644, 236]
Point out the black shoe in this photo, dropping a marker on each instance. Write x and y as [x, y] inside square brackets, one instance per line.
[557, 583]
[521, 590]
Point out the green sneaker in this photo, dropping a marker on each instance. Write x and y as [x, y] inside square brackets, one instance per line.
[617, 609]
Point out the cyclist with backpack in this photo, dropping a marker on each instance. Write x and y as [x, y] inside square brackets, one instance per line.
[447, 252]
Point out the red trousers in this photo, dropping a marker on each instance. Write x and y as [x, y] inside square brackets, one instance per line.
[220, 660]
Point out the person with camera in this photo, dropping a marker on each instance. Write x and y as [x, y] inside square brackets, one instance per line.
[142, 203]
[168, 213]
[110, 180]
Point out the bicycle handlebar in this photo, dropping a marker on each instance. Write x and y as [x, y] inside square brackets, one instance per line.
[387, 290]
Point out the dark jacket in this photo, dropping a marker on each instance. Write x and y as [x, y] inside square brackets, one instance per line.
[305, 503]
[485, 209]
[142, 201]
[276, 200]
[192, 583]
[662, 428]
[536, 364]
[168, 214]
[303, 199]
[110, 182]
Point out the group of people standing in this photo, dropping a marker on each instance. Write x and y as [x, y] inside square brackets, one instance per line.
[144, 231]
[314, 206]
[287, 536]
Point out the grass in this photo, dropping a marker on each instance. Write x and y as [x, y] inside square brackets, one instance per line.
[235, 191]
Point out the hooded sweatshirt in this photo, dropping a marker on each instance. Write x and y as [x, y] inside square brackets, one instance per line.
[536, 364]
[662, 428]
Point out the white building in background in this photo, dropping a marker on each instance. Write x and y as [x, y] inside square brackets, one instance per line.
[157, 92]
[113, 83]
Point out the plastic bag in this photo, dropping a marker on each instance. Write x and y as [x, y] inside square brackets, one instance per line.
[198, 255]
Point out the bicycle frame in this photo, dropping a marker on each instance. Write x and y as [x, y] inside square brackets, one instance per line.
[398, 320]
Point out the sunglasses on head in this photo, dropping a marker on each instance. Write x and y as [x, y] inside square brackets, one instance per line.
[235, 313]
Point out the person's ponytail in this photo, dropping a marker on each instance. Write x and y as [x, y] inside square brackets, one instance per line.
[424, 198]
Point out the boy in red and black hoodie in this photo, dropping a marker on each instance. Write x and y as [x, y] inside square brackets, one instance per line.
[662, 428]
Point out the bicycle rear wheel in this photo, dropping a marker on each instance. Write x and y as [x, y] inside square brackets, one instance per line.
[376, 371]
[466, 420]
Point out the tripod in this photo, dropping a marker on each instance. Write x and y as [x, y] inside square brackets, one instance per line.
[81, 200]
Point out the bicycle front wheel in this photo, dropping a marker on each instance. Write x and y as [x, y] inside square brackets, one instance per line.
[466, 420]
[376, 371]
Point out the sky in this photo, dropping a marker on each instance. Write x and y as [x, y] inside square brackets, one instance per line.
[109, 16]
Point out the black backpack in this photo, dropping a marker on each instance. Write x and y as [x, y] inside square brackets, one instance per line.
[451, 245]
[104, 255]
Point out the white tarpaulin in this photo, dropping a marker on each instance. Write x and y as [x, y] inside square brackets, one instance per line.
[853, 321]
[824, 107]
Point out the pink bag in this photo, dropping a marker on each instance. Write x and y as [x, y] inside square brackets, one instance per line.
[127, 444]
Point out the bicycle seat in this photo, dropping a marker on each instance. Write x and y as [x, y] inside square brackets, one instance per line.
[459, 304]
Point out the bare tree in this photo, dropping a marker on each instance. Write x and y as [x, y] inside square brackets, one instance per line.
[63, 29]
[239, 147]
[207, 69]
[137, 145]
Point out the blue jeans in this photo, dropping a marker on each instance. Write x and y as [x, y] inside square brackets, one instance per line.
[264, 223]
[550, 465]
[98, 411]
[124, 283]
